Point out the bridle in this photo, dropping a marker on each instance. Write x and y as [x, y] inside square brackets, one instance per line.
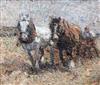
[31, 33]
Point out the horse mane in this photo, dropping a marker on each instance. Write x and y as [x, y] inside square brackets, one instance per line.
[73, 31]
[67, 29]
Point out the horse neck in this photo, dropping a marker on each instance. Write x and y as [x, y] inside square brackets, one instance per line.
[68, 33]
[66, 28]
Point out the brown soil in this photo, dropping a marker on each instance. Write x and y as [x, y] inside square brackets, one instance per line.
[15, 69]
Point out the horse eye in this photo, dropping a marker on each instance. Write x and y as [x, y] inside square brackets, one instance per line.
[20, 32]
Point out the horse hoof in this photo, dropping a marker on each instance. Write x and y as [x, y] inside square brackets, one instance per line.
[38, 70]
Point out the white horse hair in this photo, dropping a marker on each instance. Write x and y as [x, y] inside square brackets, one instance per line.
[43, 35]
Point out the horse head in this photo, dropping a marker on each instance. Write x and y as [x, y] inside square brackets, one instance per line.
[58, 28]
[26, 29]
[54, 24]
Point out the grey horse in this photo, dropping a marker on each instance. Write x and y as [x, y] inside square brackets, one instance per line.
[33, 39]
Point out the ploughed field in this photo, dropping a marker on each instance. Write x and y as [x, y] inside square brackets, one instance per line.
[15, 69]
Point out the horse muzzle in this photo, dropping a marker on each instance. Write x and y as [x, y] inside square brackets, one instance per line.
[24, 36]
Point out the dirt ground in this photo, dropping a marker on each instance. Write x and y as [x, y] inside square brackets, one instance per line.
[15, 69]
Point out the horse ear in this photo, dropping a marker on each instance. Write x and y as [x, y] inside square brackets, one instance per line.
[59, 18]
[50, 17]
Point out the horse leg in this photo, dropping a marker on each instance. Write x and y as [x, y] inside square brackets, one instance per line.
[96, 51]
[31, 59]
[71, 62]
[29, 55]
[62, 62]
[61, 55]
[41, 60]
[79, 56]
[51, 56]
[37, 57]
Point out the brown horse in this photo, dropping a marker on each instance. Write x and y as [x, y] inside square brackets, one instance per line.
[68, 36]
